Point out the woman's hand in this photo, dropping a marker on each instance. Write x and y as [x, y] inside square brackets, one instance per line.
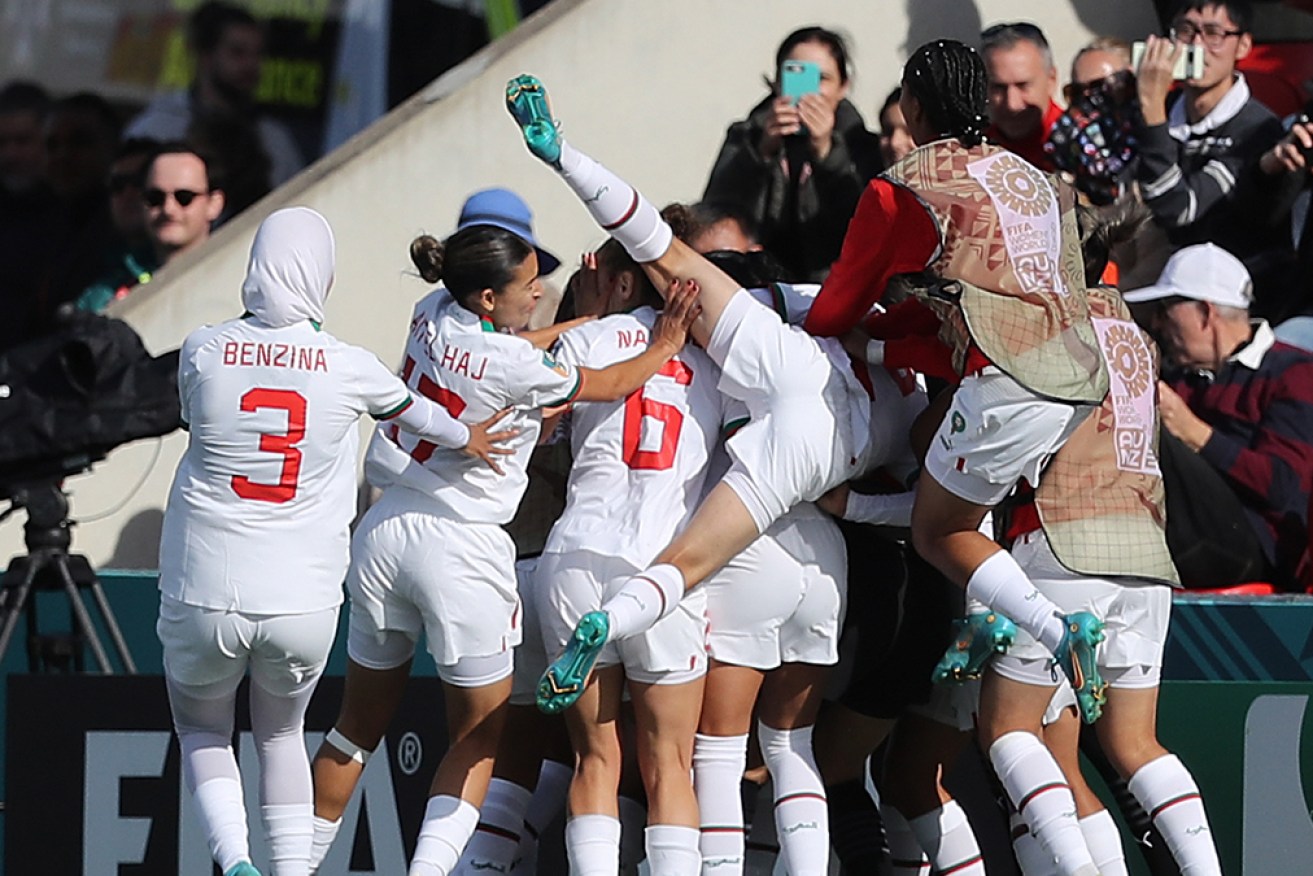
[681, 309]
[486, 445]
[818, 116]
[835, 501]
[782, 121]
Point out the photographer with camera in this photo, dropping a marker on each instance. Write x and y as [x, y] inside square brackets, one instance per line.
[1198, 149]
[1288, 166]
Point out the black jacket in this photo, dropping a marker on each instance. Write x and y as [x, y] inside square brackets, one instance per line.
[801, 207]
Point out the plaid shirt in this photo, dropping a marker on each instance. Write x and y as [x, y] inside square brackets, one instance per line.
[1260, 405]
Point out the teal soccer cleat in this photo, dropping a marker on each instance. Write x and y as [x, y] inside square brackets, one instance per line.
[564, 681]
[526, 98]
[975, 640]
[245, 868]
[1076, 655]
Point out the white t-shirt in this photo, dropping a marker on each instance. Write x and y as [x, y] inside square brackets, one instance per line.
[460, 361]
[258, 513]
[639, 463]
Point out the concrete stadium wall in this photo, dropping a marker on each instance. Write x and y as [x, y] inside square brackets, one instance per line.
[647, 87]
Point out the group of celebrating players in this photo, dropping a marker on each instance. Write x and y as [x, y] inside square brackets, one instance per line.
[692, 572]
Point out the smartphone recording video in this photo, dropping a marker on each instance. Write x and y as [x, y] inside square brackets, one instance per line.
[1189, 61]
[798, 78]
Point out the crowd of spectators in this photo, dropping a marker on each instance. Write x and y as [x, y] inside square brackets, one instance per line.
[1225, 184]
[90, 207]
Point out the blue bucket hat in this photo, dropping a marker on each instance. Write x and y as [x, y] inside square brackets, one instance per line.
[503, 208]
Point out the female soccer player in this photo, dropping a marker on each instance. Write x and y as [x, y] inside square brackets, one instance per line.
[809, 414]
[431, 555]
[255, 535]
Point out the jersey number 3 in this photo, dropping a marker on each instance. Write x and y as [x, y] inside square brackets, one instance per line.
[638, 406]
[282, 444]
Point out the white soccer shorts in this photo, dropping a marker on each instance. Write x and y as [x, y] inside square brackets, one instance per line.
[673, 651]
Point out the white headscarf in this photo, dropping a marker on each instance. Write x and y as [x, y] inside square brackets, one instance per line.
[291, 268]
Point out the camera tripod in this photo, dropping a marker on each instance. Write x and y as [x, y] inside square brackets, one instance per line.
[49, 566]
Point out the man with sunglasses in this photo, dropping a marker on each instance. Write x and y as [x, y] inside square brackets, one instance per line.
[1022, 81]
[1198, 147]
[1241, 402]
[180, 204]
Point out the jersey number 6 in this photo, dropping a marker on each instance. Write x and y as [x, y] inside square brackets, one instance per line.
[284, 445]
[638, 406]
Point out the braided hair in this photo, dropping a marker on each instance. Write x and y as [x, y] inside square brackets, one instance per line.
[948, 79]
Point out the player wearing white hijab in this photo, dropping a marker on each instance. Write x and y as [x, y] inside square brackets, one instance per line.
[255, 541]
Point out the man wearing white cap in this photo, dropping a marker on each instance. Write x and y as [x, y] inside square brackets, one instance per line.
[1243, 401]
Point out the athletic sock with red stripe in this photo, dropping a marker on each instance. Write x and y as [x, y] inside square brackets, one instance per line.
[802, 820]
[718, 763]
[592, 843]
[616, 205]
[949, 841]
[1036, 786]
[643, 600]
[1026, 849]
[496, 841]
[1169, 794]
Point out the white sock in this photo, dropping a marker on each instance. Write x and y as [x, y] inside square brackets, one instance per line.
[616, 206]
[592, 843]
[633, 820]
[547, 801]
[1169, 794]
[496, 839]
[1104, 842]
[325, 833]
[949, 841]
[1041, 794]
[643, 600]
[905, 852]
[1030, 855]
[223, 815]
[672, 850]
[448, 823]
[1002, 585]
[802, 820]
[290, 829]
[718, 763]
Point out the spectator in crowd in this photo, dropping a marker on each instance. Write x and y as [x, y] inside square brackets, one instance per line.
[1022, 82]
[1288, 165]
[1197, 148]
[133, 259]
[797, 170]
[27, 208]
[220, 106]
[82, 135]
[180, 206]
[1242, 402]
[1093, 140]
[895, 141]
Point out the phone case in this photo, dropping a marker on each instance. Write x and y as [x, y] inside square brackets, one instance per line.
[798, 78]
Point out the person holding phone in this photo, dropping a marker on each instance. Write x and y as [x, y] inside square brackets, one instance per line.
[1199, 146]
[798, 163]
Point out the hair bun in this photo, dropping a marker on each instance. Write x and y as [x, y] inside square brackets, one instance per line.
[427, 252]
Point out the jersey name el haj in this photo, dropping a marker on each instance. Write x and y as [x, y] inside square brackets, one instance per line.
[457, 361]
[259, 354]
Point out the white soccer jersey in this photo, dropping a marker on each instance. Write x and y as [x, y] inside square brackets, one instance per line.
[896, 396]
[258, 513]
[460, 361]
[639, 463]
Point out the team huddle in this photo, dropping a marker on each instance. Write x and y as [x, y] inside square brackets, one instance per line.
[692, 592]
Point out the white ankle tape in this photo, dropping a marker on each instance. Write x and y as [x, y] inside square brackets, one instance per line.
[347, 747]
